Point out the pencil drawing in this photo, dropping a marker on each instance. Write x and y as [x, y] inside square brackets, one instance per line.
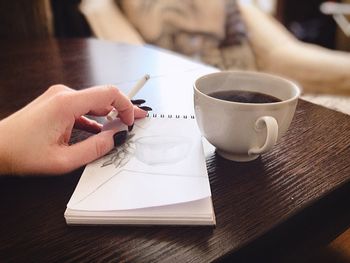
[151, 150]
[120, 155]
[161, 150]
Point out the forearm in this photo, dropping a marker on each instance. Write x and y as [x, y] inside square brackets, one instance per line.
[277, 51]
[317, 69]
[5, 155]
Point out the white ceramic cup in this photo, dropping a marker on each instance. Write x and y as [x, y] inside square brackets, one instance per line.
[243, 131]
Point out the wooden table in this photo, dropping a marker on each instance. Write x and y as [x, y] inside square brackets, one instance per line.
[285, 206]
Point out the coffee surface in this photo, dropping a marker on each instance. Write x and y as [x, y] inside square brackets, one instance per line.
[244, 96]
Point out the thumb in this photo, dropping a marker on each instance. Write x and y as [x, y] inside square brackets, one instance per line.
[92, 148]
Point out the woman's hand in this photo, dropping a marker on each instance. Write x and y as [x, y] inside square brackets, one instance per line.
[34, 140]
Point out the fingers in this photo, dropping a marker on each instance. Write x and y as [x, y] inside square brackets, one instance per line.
[86, 124]
[86, 151]
[95, 146]
[100, 100]
[109, 97]
[139, 113]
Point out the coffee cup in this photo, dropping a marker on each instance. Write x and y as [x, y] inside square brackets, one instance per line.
[242, 113]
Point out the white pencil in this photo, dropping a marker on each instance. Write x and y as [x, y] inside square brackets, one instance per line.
[114, 113]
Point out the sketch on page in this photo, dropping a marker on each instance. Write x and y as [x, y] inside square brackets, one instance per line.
[119, 156]
[158, 154]
[151, 150]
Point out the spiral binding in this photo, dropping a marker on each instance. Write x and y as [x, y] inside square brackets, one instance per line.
[169, 116]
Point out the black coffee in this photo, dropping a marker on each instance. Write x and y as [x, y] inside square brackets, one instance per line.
[243, 96]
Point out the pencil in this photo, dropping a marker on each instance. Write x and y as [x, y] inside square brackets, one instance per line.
[138, 86]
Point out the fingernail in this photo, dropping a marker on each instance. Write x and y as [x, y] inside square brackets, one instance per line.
[130, 127]
[138, 102]
[146, 108]
[119, 138]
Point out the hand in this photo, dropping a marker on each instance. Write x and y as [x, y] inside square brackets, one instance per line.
[34, 140]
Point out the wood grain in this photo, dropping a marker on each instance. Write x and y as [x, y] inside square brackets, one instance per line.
[250, 199]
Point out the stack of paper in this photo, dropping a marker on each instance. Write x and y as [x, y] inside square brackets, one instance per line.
[158, 176]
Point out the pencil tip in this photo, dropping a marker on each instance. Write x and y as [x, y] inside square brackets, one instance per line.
[147, 76]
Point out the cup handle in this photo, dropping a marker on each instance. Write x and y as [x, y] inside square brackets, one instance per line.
[271, 134]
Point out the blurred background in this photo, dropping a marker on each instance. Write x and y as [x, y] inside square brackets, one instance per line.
[306, 21]
[61, 18]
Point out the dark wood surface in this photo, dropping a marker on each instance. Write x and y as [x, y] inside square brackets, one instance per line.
[281, 207]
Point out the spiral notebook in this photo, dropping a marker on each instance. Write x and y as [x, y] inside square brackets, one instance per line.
[157, 177]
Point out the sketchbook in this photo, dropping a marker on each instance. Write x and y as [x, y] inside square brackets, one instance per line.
[157, 177]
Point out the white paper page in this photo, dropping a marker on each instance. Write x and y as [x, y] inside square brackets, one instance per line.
[198, 208]
[198, 212]
[163, 163]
